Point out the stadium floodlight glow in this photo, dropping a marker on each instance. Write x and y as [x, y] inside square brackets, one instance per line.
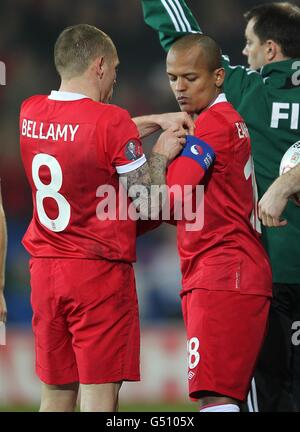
[2, 73]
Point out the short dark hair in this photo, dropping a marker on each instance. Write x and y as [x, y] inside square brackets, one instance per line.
[77, 46]
[279, 22]
[212, 51]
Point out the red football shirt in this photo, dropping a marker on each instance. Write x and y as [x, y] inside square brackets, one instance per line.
[226, 254]
[71, 146]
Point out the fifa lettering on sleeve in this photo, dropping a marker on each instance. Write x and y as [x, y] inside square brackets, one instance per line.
[200, 151]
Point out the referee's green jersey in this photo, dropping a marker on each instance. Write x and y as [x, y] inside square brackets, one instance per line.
[269, 101]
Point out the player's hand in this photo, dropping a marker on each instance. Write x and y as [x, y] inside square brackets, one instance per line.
[3, 309]
[272, 205]
[177, 121]
[170, 143]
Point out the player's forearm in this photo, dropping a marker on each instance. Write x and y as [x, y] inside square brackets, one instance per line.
[3, 248]
[157, 168]
[152, 203]
[146, 186]
[176, 121]
[147, 125]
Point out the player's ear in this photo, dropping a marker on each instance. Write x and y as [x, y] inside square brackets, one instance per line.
[219, 77]
[99, 63]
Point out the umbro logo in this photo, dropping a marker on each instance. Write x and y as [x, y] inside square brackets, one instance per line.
[191, 375]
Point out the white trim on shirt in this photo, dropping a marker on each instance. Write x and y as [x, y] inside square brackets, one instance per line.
[177, 16]
[123, 169]
[221, 98]
[66, 96]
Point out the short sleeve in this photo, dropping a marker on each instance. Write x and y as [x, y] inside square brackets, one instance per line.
[192, 164]
[122, 143]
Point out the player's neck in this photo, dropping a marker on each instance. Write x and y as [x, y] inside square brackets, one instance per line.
[79, 86]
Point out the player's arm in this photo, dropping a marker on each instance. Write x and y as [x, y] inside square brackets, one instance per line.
[3, 248]
[139, 182]
[191, 167]
[173, 19]
[188, 169]
[274, 201]
[149, 124]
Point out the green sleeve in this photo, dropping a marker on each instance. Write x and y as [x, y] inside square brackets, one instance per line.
[171, 18]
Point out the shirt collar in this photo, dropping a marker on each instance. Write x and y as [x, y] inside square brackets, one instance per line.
[282, 68]
[220, 98]
[65, 96]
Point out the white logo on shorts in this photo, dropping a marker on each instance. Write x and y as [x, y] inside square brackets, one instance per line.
[2, 333]
[191, 375]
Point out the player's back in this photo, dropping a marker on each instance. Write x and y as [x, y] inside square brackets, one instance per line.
[70, 148]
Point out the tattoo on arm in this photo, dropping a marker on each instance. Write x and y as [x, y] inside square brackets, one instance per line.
[157, 166]
[146, 186]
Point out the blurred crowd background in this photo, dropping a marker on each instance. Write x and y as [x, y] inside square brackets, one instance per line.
[28, 30]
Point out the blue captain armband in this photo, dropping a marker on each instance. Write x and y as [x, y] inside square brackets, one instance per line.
[200, 151]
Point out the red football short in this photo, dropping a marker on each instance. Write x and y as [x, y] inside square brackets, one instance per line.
[85, 321]
[225, 332]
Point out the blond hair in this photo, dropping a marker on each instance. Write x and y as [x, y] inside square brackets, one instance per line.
[77, 46]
